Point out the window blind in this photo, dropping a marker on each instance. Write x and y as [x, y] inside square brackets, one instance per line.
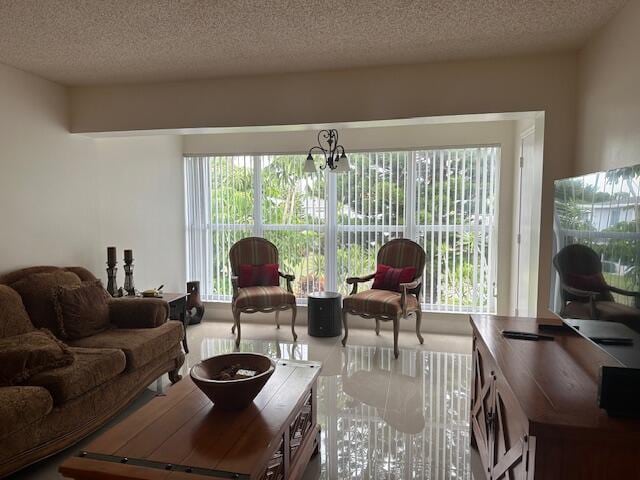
[329, 226]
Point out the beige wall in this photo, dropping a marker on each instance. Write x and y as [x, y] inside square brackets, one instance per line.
[141, 206]
[64, 197]
[538, 83]
[47, 187]
[609, 95]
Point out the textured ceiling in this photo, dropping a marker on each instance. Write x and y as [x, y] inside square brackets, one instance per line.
[88, 42]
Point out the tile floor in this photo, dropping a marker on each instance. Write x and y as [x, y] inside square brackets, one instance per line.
[381, 418]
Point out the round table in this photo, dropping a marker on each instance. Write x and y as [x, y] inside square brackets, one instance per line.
[324, 311]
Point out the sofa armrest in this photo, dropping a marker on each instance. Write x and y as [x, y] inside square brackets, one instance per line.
[138, 312]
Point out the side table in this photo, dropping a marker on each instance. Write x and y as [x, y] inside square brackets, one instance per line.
[324, 311]
[178, 311]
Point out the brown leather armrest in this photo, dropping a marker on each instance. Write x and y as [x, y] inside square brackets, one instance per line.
[138, 312]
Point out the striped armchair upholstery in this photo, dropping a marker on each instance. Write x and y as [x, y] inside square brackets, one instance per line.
[259, 251]
[384, 305]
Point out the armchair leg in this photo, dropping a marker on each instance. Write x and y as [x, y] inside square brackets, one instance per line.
[418, 323]
[346, 328]
[278, 319]
[377, 327]
[233, 327]
[236, 318]
[396, 330]
[294, 312]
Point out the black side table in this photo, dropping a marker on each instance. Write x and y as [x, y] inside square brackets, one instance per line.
[324, 311]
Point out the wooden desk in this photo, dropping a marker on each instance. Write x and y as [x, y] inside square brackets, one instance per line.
[535, 412]
[181, 436]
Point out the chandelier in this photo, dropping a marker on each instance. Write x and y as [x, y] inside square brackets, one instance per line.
[334, 156]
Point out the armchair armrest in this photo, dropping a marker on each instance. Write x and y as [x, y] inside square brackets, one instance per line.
[409, 287]
[578, 292]
[138, 312]
[289, 278]
[591, 296]
[628, 293]
[356, 280]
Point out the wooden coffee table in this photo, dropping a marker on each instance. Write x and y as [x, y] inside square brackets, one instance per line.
[182, 436]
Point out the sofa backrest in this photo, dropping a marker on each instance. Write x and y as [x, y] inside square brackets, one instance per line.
[12, 277]
[26, 297]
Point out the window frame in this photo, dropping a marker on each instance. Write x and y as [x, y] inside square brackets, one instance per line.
[409, 229]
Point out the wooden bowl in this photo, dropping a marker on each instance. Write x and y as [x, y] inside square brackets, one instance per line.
[232, 394]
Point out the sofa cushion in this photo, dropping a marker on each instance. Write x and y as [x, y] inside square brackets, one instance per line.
[140, 345]
[14, 319]
[378, 302]
[36, 291]
[91, 367]
[22, 356]
[21, 407]
[82, 311]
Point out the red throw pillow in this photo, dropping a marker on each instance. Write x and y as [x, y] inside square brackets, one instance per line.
[389, 278]
[259, 275]
[592, 283]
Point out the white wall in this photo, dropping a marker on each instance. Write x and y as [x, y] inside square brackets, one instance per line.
[141, 206]
[64, 197]
[609, 95]
[47, 183]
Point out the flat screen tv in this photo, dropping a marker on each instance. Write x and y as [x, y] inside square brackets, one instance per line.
[596, 247]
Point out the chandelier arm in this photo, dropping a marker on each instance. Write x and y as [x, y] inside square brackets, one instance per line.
[326, 135]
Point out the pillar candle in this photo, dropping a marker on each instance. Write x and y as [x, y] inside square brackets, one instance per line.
[111, 255]
[128, 256]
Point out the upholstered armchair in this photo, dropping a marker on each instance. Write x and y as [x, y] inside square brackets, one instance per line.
[584, 291]
[256, 286]
[392, 296]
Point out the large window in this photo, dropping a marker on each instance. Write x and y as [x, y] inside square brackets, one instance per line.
[329, 226]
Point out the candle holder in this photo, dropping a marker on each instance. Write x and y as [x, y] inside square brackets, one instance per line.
[129, 286]
[112, 282]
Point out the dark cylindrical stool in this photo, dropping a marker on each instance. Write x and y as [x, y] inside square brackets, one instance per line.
[324, 314]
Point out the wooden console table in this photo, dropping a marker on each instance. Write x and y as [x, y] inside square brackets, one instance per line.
[182, 436]
[534, 408]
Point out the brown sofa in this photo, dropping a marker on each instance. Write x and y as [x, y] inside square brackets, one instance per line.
[55, 408]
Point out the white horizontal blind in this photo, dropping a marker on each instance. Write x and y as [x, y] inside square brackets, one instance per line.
[328, 226]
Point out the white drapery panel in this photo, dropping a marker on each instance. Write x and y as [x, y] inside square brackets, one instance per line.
[329, 226]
